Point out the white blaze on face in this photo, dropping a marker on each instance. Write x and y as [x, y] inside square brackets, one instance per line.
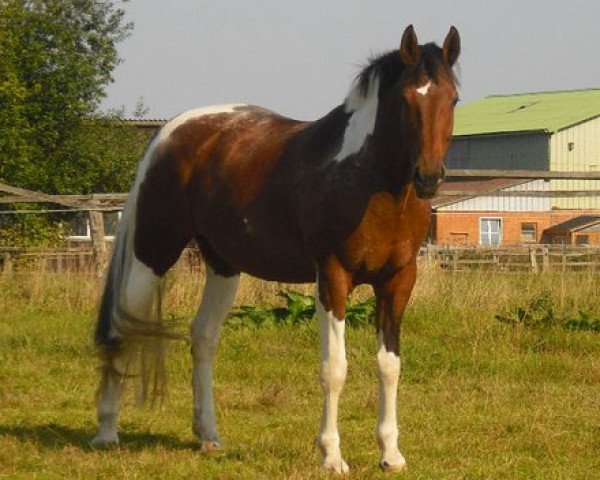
[362, 121]
[424, 89]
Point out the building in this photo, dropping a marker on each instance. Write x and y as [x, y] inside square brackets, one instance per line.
[547, 131]
[582, 230]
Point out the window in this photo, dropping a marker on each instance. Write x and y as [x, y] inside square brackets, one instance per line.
[528, 232]
[490, 231]
[582, 240]
[571, 146]
[80, 227]
[561, 240]
[111, 222]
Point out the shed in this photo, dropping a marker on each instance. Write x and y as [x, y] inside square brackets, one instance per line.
[582, 230]
[547, 131]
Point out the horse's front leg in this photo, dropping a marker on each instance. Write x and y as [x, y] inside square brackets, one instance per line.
[333, 286]
[392, 298]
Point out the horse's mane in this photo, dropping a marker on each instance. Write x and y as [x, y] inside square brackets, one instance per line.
[389, 67]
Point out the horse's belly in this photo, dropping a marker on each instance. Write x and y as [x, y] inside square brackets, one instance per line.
[269, 256]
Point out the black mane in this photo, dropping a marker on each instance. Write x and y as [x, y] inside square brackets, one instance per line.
[389, 67]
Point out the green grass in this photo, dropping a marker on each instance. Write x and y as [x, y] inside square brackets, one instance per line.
[479, 398]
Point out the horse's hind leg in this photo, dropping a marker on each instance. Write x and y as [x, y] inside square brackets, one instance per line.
[218, 297]
[109, 395]
[138, 301]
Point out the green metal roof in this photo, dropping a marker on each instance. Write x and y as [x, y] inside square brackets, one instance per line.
[527, 112]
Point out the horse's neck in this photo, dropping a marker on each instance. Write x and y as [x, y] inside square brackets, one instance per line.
[378, 160]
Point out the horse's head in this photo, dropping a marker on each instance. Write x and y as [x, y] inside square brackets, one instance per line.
[417, 94]
[427, 89]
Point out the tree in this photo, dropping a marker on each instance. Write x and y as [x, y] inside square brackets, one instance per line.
[56, 58]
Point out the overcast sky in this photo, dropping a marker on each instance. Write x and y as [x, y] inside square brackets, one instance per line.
[299, 57]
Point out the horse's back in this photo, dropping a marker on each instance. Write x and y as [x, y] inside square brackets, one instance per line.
[218, 174]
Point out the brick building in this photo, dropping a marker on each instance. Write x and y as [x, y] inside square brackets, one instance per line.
[548, 131]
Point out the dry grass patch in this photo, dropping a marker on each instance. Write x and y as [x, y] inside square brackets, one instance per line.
[478, 398]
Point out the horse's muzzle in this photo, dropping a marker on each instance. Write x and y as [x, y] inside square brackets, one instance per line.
[426, 186]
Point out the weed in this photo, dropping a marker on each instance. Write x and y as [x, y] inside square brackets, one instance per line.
[583, 323]
[540, 313]
[299, 308]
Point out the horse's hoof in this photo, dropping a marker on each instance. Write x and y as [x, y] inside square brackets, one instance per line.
[209, 446]
[393, 467]
[336, 465]
[104, 442]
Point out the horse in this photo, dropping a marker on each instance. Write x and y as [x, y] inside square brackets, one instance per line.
[340, 201]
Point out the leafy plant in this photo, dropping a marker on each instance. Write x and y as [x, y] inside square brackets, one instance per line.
[540, 313]
[360, 314]
[583, 323]
[298, 309]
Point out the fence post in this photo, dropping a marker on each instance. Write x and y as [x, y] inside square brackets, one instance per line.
[533, 259]
[7, 268]
[545, 259]
[430, 255]
[98, 243]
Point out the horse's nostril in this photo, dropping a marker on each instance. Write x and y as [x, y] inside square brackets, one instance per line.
[428, 180]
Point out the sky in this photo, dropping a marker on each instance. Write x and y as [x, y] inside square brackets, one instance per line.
[299, 57]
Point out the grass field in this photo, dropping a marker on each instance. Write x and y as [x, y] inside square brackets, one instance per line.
[479, 398]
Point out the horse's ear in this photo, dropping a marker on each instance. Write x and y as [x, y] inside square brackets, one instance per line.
[452, 46]
[409, 47]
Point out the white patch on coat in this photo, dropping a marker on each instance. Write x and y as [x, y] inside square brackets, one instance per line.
[217, 299]
[179, 120]
[363, 110]
[333, 377]
[141, 287]
[424, 89]
[388, 369]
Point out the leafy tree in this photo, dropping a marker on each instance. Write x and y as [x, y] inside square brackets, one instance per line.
[100, 156]
[56, 58]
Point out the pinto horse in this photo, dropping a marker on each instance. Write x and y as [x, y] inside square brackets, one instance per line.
[342, 201]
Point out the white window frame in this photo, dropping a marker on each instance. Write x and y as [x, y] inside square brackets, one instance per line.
[535, 232]
[88, 235]
[500, 232]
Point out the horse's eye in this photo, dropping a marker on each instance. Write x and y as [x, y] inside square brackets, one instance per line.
[456, 100]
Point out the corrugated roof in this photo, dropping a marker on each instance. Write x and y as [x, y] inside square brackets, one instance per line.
[145, 122]
[483, 187]
[527, 112]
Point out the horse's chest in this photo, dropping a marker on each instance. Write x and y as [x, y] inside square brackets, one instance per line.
[389, 234]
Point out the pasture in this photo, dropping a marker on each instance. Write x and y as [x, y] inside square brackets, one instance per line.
[500, 379]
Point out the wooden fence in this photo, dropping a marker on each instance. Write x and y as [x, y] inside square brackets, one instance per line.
[533, 258]
[514, 259]
[14, 260]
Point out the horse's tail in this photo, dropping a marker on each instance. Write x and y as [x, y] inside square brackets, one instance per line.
[131, 341]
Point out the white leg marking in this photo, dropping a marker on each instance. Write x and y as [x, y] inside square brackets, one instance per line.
[110, 391]
[141, 289]
[333, 376]
[423, 90]
[362, 121]
[217, 299]
[388, 369]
